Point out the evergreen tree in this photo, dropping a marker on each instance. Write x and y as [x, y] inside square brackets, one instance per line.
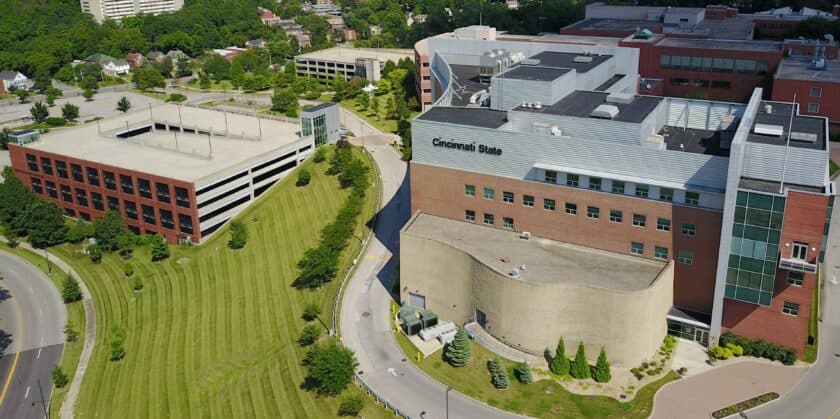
[559, 363]
[457, 352]
[160, 250]
[70, 111]
[580, 367]
[494, 365]
[500, 378]
[123, 105]
[525, 374]
[602, 373]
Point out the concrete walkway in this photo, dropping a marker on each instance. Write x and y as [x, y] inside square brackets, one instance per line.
[699, 396]
[692, 356]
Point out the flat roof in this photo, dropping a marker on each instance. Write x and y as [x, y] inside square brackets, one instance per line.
[349, 55]
[468, 82]
[533, 73]
[155, 152]
[736, 27]
[727, 44]
[781, 116]
[474, 117]
[546, 261]
[615, 25]
[792, 69]
[581, 103]
[318, 107]
[769, 186]
[698, 141]
[578, 39]
[567, 60]
[610, 82]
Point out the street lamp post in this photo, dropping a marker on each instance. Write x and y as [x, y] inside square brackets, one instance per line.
[49, 265]
[448, 389]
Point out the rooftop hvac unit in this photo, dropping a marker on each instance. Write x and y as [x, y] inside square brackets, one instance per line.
[582, 59]
[514, 272]
[767, 129]
[655, 139]
[805, 137]
[525, 235]
[768, 108]
[556, 131]
[605, 112]
[623, 98]
[537, 105]
[530, 61]
[524, 104]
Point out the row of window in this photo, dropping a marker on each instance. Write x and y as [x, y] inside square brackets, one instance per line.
[712, 64]
[571, 208]
[619, 187]
[489, 219]
[714, 84]
[81, 198]
[126, 183]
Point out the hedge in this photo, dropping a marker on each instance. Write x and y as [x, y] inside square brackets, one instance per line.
[760, 348]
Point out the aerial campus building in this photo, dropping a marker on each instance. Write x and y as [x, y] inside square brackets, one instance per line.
[556, 201]
[177, 171]
[118, 9]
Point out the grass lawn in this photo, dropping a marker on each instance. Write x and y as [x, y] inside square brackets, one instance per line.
[810, 355]
[154, 95]
[213, 332]
[832, 167]
[381, 123]
[544, 398]
[224, 85]
[75, 316]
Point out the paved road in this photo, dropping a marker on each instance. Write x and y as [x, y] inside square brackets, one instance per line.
[366, 308]
[818, 394]
[32, 320]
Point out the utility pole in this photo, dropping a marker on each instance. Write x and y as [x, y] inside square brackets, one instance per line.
[448, 389]
[44, 404]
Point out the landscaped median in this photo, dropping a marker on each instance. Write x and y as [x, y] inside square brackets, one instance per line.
[745, 405]
[542, 398]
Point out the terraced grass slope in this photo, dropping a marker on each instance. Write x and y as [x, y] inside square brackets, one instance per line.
[213, 332]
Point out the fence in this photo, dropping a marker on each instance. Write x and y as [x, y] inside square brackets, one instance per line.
[372, 393]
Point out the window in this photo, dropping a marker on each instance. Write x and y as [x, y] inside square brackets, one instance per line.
[617, 186]
[110, 181]
[663, 224]
[660, 252]
[130, 209]
[595, 183]
[816, 91]
[528, 201]
[571, 208]
[61, 169]
[69, 212]
[85, 216]
[93, 176]
[96, 199]
[51, 191]
[800, 251]
[46, 166]
[642, 190]
[548, 204]
[489, 193]
[148, 214]
[637, 248]
[113, 203]
[166, 219]
[76, 171]
[719, 84]
[182, 198]
[593, 212]
[692, 198]
[790, 308]
[795, 278]
[144, 187]
[126, 184]
[572, 180]
[66, 196]
[469, 215]
[185, 223]
[688, 229]
[162, 192]
[507, 197]
[813, 108]
[81, 197]
[686, 257]
[489, 219]
[469, 190]
[550, 176]
[616, 216]
[507, 223]
[666, 194]
[32, 162]
[639, 220]
[36, 186]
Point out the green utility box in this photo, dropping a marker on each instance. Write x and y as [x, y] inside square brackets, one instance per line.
[412, 327]
[428, 318]
[407, 312]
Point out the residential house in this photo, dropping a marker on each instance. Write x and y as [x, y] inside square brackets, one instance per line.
[350, 34]
[292, 28]
[268, 17]
[336, 23]
[110, 66]
[255, 43]
[156, 57]
[13, 80]
[176, 54]
[229, 53]
[135, 59]
[375, 30]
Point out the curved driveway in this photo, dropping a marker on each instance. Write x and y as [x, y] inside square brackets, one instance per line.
[365, 310]
[32, 319]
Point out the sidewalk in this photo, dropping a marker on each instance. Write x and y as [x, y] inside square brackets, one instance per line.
[700, 395]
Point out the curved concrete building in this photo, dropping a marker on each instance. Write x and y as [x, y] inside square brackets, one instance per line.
[464, 273]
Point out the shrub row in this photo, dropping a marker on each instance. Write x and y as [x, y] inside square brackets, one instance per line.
[759, 348]
[744, 405]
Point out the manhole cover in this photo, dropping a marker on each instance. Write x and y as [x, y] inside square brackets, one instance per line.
[365, 314]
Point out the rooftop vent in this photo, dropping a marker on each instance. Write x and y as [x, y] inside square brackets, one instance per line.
[767, 129]
[623, 98]
[582, 59]
[530, 61]
[537, 105]
[605, 112]
[768, 108]
[805, 137]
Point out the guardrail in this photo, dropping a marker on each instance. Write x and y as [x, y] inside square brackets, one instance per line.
[372, 393]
